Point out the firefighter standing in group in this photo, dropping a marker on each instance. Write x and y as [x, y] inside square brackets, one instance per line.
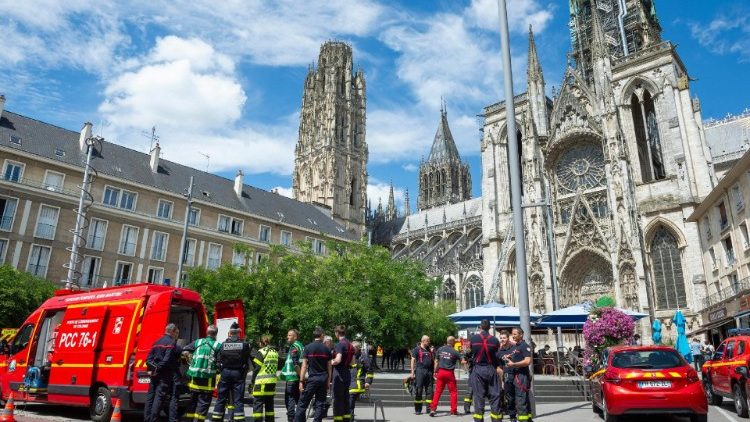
[202, 373]
[445, 366]
[468, 362]
[422, 366]
[233, 360]
[316, 363]
[508, 401]
[265, 365]
[290, 373]
[520, 359]
[362, 373]
[483, 380]
[343, 353]
[163, 364]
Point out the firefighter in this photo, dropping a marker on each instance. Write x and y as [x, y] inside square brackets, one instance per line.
[520, 359]
[484, 381]
[163, 364]
[362, 374]
[202, 373]
[507, 403]
[290, 373]
[316, 363]
[233, 361]
[445, 366]
[265, 365]
[422, 363]
[343, 354]
[328, 342]
[468, 362]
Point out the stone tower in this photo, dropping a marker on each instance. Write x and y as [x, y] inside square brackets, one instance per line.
[330, 164]
[443, 178]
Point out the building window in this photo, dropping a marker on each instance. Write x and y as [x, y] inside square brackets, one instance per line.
[739, 200]
[729, 251]
[260, 257]
[13, 171]
[164, 209]
[238, 259]
[90, 271]
[473, 293]
[46, 223]
[319, 247]
[111, 196]
[449, 290]
[15, 139]
[237, 225]
[128, 240]
[286, 238]
[194, 217]
[745, 236]
[189, 257]
[97, 233]
[127, 202]
[712, 256]
[668, 277]
[707, 227]
[3, 249]
[648, 141]
[723, 218]
[119, 198]
[53, 181]
[8, 209]
[123, 273]
[224, 223]
[265, 234]
[155, 275]
[214, 256]
[159, 246]
[38, 260]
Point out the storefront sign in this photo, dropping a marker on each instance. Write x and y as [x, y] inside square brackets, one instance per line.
[744, 303]
[717, 315]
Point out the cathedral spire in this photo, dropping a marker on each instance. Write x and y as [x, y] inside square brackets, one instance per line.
[534, 69]
[390, 210]
[407, 211]
[443, 146]
[535, 89]
[598, 41]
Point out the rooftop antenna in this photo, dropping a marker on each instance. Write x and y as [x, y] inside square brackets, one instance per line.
[152, 136]
[208, 159]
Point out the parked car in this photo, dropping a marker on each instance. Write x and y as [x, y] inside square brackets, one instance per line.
[726, 374]
[638, 380]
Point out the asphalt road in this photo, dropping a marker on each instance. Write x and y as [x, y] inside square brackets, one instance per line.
[563, 412]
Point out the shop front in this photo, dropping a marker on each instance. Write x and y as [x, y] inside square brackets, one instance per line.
[717, 320]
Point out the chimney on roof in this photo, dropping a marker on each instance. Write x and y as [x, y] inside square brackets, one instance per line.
[85, 134]
[155, 158]
[2, 105]
[239, 182]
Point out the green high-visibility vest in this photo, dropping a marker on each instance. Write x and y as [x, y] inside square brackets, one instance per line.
[287, 372]
[267, 371]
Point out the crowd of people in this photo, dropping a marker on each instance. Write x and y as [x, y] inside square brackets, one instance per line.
[308, 372]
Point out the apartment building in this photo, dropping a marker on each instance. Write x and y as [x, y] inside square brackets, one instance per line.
[723, 219]
[135, 212]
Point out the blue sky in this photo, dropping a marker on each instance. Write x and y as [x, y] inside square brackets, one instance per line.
[224, 79]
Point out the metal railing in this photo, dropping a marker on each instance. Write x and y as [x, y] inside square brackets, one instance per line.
[728, 292]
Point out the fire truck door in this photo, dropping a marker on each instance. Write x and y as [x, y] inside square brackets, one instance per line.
[78, 342]
[225, 314]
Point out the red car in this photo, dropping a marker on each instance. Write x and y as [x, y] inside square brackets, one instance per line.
[637, 380]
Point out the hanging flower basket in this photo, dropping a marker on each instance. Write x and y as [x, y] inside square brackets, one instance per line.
[606, 327]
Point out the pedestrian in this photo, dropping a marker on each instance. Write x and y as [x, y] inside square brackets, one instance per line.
[328, 342]
[343, 354]
[695, 350]
[265, 365]
[290, 373]
[202, 373]
[422, 367]
[163, 364]
[708, 350]
[468, 362]
[445, 366]
[316, 363]
[233, 362]
[506, 374]
[362, 374]
[484, 381]
[519, 361]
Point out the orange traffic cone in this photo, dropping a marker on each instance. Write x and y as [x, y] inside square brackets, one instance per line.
[116, 416]
[7, 413]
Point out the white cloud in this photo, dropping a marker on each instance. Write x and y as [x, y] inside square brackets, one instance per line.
[725, 34]
[410, 167]
[521, 14]
[284, 191]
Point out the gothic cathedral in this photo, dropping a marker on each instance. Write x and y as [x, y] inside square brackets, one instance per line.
[330, 159]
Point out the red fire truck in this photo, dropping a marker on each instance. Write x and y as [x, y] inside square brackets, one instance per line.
[89, 348]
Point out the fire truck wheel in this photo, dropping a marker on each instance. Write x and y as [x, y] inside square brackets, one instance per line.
[740, 401]
[100, 409]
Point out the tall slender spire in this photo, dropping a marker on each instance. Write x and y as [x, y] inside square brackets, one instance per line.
[407, 211]
[598, 41]
[390, 210]
[534, 69]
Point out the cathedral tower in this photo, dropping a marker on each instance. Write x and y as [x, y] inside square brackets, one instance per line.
[330, 164]
[443, 178]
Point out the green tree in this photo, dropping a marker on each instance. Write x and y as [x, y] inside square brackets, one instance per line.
[20, 294]
[388, 302]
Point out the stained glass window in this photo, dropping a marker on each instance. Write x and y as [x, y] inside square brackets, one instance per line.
[473, 293]
[449, 290]
[580, 168]
[668, 277]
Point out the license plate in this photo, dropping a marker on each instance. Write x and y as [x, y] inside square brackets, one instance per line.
[654, 384]
[146, 380]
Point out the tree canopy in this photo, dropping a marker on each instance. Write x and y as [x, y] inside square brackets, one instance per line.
[388, 302]
[20, 294]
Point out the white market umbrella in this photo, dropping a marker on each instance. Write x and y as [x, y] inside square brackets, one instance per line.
[575, 316]
[498, 314]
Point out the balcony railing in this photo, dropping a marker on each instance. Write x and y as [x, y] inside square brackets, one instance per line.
[728, 292]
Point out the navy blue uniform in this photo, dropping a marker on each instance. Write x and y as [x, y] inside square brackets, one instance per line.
[483, 379]
[362, 369]
[163, 363]
[423, 372]
[508, 403]
[342, 377]
[234, 361]
[521, 381]
[317, 356]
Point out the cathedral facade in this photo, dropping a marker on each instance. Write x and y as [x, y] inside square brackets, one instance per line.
[611, 167]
